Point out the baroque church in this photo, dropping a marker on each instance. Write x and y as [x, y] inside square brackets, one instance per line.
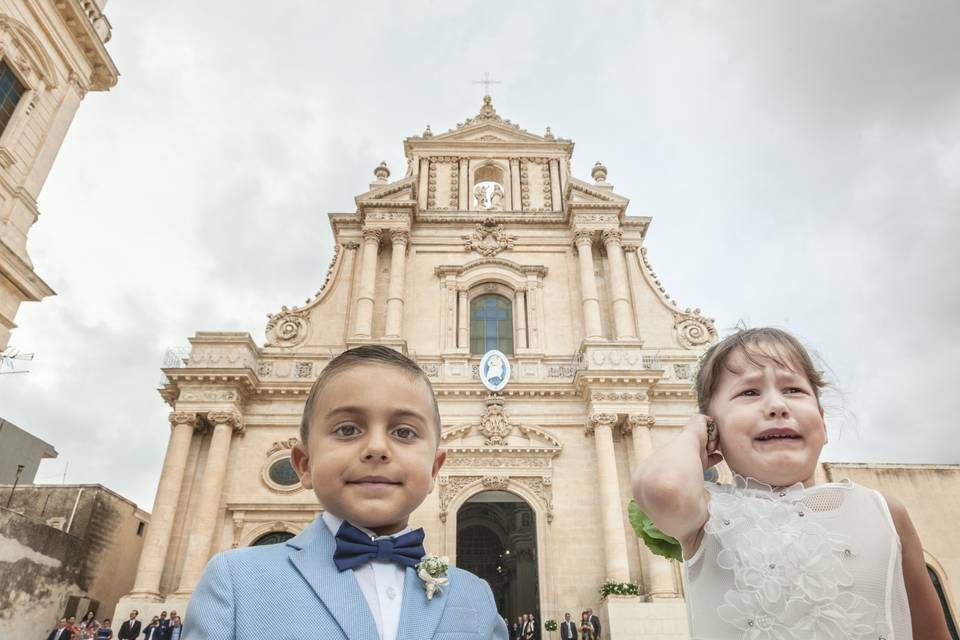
[460, 255]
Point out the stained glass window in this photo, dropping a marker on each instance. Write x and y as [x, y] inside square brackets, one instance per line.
[283, 474]
[11, 90]
[491, 324]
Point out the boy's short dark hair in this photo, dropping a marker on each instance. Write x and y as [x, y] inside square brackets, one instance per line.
[367, 354]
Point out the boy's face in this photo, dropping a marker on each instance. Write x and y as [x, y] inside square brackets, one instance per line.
[372, 451]
[753, 403]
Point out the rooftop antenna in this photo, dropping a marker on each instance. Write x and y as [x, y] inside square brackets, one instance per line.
[7, 358]
[486, 82]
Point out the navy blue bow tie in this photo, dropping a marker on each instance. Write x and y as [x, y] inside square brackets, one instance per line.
[355, 548]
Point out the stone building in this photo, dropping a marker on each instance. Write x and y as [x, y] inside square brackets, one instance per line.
[64, 550]
[487, 241]
[20, 454]
[51, 54]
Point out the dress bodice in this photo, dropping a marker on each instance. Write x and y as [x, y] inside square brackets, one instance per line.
[797, 563]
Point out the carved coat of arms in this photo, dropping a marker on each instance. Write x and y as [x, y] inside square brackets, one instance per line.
[488, 239]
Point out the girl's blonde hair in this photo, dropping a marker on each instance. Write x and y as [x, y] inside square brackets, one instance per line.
[755, 344]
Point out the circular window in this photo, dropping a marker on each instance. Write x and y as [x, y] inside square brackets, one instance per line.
[283, 474]
[278, 473]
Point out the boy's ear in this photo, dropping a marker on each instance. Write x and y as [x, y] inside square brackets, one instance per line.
[438, 461]
[300, 460]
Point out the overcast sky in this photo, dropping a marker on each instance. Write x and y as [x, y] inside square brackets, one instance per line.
[800, 161]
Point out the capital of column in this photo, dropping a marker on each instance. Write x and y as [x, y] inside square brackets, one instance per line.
[371, 233]
[612, 236]
[231, 418]
[607, 420]
[583, 237]
[183, 417]
[638, 421]
[399, 236]
[351, 245]
[631, 247]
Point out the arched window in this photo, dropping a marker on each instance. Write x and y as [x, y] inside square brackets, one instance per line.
[491, 324]
[274, 537]
[951, 623]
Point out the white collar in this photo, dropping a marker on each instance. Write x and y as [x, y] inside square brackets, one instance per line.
[333, 525]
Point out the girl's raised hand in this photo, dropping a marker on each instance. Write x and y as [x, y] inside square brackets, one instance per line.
[705, 429]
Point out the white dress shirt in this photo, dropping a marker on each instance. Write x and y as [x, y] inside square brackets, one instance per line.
[381, 582]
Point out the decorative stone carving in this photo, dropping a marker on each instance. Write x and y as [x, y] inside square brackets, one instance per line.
[231, 418]
[562, 371]
[612, 236]
[488, 239]
[692, 329]
[432, 369]
[599, 173]
[399, 236]
[542, 487]
[304, 370]
[681, 371]
[265, 369]
[183, 417]
[636, 421]
[370, 233]
[287, 328]
[281, 445]
[495, 483]
[450, 486]
[239, 518]
[494, 424]
[382, 172]
[583, 237]
[497, 459]
[601, 420]
[618, 396]
[208, 395]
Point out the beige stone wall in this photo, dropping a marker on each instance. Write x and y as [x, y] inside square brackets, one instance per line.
[57, 52]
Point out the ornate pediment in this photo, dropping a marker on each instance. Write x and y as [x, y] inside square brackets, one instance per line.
[495, 431]
[399, 191]
[488, 126]
[580, 192]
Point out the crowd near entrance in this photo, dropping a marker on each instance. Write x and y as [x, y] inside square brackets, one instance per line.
[497, 540]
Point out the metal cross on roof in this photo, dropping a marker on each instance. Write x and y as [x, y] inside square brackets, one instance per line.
[486, 82]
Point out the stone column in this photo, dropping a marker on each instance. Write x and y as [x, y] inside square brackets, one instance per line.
[614, 542]
[208, 504]
[658, 575]
[520, 319]
[395, 291]
[463, 320]
[625, 326]
[157, 541]
[363, 322]
[634, 278]
[588, 285]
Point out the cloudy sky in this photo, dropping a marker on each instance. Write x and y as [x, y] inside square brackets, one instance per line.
[801, 162]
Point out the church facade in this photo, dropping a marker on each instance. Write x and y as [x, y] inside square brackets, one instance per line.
[486, 242]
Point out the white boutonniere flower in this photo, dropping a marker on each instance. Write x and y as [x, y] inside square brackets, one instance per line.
[433, 571]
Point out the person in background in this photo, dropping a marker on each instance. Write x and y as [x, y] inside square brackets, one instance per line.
[174, 629]
[62, 632]
[164, 622]
[104, 631]
[568, 628]
[87, 626]
[130, 629]
[152, 631]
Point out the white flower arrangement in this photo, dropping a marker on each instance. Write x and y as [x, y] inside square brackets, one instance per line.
[432, 570]
[619, 589]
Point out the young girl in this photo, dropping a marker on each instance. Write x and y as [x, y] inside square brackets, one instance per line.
[776, 555]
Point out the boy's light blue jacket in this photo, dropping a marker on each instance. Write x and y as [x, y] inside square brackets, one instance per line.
[294, 591]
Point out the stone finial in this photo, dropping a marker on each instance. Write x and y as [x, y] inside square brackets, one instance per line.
[599, 173]
[382, 172]
[548, 135]
[427, 133]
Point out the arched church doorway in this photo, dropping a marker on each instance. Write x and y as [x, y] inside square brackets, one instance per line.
[497, 540]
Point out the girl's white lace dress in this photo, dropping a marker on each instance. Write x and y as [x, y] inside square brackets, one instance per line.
[797, 564]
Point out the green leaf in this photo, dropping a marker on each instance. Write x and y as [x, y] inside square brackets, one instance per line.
[657, 541]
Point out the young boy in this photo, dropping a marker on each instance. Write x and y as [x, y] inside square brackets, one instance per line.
[368, 449]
